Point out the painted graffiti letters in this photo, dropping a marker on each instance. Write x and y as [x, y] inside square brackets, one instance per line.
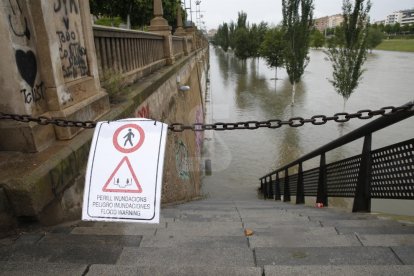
[25, 55]
[73, 7]
[182, 161]
[19, 31]
[35, 95]
[72, 53]
[143, 112]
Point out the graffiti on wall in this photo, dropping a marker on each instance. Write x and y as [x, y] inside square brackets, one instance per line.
[198, 134]
[182, 160]
[72, 53]
[25, 56]
[143, 112]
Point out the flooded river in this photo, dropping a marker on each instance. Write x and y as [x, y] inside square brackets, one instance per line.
[244, 91]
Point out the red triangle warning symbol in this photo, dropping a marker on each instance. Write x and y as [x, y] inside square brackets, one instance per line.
[123, 179]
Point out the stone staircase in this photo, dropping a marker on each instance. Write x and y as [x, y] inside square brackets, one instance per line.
[207, 237]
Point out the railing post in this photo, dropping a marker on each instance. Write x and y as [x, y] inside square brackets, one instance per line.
[300, 193]
[362, 200]
[286, 194]
[261, 185]
[322, 196]
[265, 188]
[271, 188]
[277, 187]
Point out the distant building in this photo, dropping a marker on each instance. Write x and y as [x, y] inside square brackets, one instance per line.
[335, 20]
[211, 33]
[393, 18]
[321, 23]
[404, 17]
[379, 22]
[407, 17]
[328, 22]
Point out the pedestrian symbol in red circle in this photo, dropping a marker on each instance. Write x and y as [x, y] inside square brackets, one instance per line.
[128, 138]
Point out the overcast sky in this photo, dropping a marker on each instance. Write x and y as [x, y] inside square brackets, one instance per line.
[218, 11]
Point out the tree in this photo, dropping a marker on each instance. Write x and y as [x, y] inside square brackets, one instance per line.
[297, 23]
[272, 48]
[221, 38]
[139, 11]
[375, 37]
[349, 55]
[243, 43]
[317, 39]
[256, 34]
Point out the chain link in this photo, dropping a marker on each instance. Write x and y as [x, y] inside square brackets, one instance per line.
[250, 125]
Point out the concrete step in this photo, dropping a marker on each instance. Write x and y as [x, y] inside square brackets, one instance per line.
[345, 270]
[162, 241]
[176, 270]
[326, 256]
[214, 257]
[41, 269]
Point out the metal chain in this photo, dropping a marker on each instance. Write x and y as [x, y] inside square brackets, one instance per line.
[250, 125]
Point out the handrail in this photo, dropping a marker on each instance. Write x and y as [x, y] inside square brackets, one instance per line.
[361, 132]
[362, 177]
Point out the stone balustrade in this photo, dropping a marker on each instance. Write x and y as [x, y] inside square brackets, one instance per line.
[135, 54]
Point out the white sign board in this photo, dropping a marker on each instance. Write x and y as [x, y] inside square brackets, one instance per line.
[124, 173]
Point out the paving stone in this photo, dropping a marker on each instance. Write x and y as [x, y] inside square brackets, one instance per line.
[227, 257]
[310, 270]
[29, 238]
[62, 239]
[387, 240]
[360, 223]
[121, 230]
[304, 240]
[260, 224]
[342, 217]
[194, 242]
[40, 269]
[294, 231]
[376, 230]
[76, 253]
[99, 270]
[326, 256]
[405, 253]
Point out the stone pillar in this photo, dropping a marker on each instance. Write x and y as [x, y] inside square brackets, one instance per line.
[191, 32]
[22, 88]
[159, 25]
[180, 31]
[48, 69]
[68, 62]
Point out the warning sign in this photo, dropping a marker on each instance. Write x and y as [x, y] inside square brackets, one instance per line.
[124, 174]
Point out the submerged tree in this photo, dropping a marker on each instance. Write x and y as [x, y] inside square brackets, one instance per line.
[349, 54]
[297, 23]
[272, 48]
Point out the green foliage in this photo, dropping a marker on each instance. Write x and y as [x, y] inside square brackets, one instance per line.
[109, 21]
[221, 38]
[400, 45]
[375, 37]
[317, 39]
[349, 53]
[243, 43]
[297, 23]
[243, 39]
[112, 83]
[140, 11]
[272, 47]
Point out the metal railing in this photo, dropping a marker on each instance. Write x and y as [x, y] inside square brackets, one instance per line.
[383, 173]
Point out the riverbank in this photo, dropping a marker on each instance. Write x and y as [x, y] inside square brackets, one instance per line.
[400, 45]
